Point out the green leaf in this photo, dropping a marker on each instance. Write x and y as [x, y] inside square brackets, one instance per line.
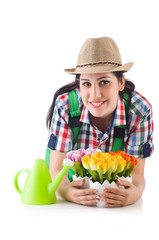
[129, 171]
[128, 165]
[108, 174]
[79, 169]
[100, 173]
[94, 175]
[114, 174]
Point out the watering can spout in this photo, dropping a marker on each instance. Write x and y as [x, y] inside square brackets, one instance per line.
[52, 187]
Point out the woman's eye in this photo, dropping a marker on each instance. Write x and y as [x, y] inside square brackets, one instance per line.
[105, 82]
[86, 84]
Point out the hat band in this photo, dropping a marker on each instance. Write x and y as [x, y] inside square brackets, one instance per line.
[99, 63]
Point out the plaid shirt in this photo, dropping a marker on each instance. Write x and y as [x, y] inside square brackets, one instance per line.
[138, 134]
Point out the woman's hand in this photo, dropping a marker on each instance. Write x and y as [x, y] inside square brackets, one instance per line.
[74, 193]
[116, 197]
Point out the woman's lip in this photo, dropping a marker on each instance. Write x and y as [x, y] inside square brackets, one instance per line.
[97, 104]
[97, 101]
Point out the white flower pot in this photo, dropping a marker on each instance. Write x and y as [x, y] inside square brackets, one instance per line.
[100, 187]
[87, 180]
[129, 179]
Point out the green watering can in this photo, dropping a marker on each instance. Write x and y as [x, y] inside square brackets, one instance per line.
[39, 189]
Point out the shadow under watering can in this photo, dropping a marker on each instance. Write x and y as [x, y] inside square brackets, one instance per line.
[39, 189]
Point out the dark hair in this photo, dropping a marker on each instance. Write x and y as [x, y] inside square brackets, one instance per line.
[129, 87]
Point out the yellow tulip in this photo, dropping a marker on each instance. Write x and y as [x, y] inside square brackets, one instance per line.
[121, 161]
[105, 161]
[97, 155]
[86, 161]
[103, 166]
[112, 164]
[95, 159]
[93, 164]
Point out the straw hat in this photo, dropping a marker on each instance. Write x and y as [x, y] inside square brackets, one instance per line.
[99, 55]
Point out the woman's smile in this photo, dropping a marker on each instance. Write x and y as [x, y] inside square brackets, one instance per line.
[97, 104]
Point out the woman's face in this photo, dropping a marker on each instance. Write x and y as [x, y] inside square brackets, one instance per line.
[100, 92]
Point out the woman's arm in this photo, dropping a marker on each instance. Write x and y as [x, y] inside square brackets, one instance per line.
[138, 175]
[70, 191]
[115, 197]
[56, 162]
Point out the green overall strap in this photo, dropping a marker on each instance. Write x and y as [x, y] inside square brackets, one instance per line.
[74, 122]
[118, 143]
[75, 114]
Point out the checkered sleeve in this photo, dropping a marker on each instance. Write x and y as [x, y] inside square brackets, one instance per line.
[140, 140]
[61, 138]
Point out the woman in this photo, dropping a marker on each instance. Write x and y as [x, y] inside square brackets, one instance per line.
[100, 85]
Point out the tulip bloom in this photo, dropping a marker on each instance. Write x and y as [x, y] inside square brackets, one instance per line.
[102, 166]
[131, 163]
[86, 160]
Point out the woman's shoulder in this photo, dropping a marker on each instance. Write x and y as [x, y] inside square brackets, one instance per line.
[62, 101]
[139, 104]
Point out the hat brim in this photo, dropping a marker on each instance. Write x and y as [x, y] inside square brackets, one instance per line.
[100, 69]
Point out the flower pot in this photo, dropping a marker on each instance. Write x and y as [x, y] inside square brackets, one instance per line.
[100, 187]
[129, 179]
[87, 181]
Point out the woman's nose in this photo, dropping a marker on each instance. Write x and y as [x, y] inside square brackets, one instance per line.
[95, 92]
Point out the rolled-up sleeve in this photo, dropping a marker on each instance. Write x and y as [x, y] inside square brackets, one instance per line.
[140, 141]
[61, 134]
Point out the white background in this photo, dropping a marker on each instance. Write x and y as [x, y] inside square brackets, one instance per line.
[38, 39]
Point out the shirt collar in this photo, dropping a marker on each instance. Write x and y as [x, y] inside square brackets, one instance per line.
[85, 115]
[119, 116]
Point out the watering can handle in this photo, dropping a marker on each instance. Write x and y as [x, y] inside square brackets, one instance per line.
[16, 180]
